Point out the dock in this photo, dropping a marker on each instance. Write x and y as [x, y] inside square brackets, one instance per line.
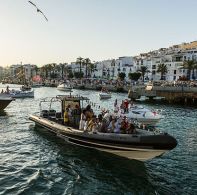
[170, 94]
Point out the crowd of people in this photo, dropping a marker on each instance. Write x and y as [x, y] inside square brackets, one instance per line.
[86, 120]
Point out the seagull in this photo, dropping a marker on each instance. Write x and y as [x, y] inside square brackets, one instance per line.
[38, 10]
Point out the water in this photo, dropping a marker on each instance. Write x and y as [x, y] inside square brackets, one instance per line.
[33, 161]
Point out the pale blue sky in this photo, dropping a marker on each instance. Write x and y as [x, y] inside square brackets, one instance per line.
[98, 29]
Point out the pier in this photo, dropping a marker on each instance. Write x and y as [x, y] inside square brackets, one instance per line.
[170, 94]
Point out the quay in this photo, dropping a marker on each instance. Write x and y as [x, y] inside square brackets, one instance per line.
[168, 94]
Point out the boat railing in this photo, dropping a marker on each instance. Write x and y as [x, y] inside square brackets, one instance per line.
[50, 101]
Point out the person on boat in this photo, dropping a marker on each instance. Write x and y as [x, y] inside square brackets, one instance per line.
[91, 123]
[104, 126]
[131, 128]
[122, 107]
[95, 127]
[7, 90]
[70, 117]
[2, 91]
[111, 126]
[66, 117]
[88, 111]
[124, 125]
[76, 113]
[99, 123]
[126, 106]
[117, 127]
[83, 120]
[86, 124]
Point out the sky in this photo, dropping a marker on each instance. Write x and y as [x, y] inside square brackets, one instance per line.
[95, 29]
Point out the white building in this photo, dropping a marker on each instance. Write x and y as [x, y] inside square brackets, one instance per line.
[173, 57]
[27, 71]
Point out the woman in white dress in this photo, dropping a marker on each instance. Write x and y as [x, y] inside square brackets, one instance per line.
[82, 121]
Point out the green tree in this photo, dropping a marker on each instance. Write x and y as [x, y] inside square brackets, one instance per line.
[80, 62]
[121, 76]
[70, 74]
[91, 69]
[134, 75]
[190, 65]
[78, 75]
[113, 64]
[162, 68]
[143, 70]
[87, 63]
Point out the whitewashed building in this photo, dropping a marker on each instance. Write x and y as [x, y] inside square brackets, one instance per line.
[173, 57]
[27, 71]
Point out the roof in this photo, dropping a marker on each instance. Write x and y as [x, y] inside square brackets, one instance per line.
[71, 97]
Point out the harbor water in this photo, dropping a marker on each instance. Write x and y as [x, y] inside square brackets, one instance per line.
[34, 161]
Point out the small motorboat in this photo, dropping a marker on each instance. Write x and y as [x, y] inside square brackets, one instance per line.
[143, 115]
[21, 93]
[4, 101]
[25, 88]
[65, 87]
[141, 145]
[36, 85]
[104, 94]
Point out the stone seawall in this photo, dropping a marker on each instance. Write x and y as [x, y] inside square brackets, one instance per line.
[170, 94]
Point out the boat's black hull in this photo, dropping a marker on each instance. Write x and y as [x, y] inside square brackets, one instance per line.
[4, 103]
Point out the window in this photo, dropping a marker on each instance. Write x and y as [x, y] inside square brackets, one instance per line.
[174, 71]
[124, 69]
[153, 72]
[154, 67]
[174, 78]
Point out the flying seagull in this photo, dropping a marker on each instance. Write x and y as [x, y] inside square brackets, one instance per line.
[38, 10]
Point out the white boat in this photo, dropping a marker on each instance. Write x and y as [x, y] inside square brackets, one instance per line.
[21, 94]
[141, 145]
[35, 85]
[64, 87]
[143, 115]
[105, 95]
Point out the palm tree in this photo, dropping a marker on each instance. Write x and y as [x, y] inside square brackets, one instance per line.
[44, 72]
[162, 68]
[190, 65]
[80, 62]
[87, 63]
[91, 68]
[113, 64]
[49, 68]
[143, 70]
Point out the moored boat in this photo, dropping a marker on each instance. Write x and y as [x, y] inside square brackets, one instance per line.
[21, 94]
[64, 87]
[140, 145]
[144, 115]
[104, 94]
[4, 101]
